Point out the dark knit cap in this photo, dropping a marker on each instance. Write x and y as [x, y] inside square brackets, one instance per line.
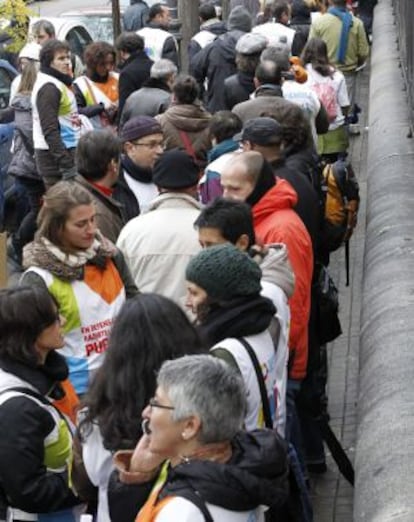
[224, 272]
[239, 18]
[138, 127]
[175, 169]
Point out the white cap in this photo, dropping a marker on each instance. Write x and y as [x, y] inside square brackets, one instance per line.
[31, 50]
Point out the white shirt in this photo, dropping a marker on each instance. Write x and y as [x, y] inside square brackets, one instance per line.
[144, 192]
[338, 83]
[302, 95]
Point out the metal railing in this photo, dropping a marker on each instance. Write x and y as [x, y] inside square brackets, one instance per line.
[404, 15]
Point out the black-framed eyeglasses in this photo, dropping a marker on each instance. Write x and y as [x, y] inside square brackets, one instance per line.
[155, 404]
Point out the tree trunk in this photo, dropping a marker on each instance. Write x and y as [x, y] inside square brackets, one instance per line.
[188, 15]
[116, 19]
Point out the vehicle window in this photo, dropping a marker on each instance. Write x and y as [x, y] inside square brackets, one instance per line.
[78, 38]
[5, 82]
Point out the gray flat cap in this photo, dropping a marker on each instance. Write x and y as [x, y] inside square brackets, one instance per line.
[251, 43]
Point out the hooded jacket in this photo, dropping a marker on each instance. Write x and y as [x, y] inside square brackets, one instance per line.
[216, 61]
[192, 119]
[275, 221]
[255, 476]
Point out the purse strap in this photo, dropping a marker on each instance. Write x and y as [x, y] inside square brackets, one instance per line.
[263, 393]
[187, 144]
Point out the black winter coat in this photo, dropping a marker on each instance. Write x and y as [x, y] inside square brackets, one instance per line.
[135, 71]
[216, 62]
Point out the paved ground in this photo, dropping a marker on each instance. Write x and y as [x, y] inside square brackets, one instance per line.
[332, 495]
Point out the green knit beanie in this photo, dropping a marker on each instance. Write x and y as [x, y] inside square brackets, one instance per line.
[224, 272]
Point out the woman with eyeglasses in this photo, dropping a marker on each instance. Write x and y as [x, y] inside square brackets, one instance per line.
[148, 330]
[84, 272]
[36, 440]
[202, 466]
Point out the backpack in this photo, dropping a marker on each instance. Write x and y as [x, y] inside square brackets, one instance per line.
[341, 204]
[327, 96]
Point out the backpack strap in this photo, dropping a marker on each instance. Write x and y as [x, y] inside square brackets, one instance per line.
[194, 496]
[263, 393]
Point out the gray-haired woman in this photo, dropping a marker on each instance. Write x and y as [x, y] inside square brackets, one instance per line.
[207, 468]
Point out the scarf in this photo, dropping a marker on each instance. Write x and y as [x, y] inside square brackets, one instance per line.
[135, 171]
[221, 148]
[42, 253]
[97, 78]
[64, 78]
[236, 318]
[346, 19]
[265, 182]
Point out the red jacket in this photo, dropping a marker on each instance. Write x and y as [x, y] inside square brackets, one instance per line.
[275, 221]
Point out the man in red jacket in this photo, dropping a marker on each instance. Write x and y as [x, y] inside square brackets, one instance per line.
[248, 177]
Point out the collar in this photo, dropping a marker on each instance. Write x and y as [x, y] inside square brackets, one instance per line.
[64, 78]
[268, 89]
[106, 191]
[44, 378]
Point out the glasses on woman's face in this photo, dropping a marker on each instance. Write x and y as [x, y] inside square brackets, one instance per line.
[153, 403]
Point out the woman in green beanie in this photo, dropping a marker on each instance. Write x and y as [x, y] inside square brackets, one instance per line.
[223, 291]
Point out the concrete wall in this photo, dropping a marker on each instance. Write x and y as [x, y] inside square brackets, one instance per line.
[384, 464]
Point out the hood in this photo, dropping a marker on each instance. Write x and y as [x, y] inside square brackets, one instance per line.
[240, 19]
[276, 268]
[226, 45]
[280, 197]
[300, 13]
[215, 26]
[21, 102]
[190, 118]
[255, 475]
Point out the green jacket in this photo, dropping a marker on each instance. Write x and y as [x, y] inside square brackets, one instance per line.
[328, 28]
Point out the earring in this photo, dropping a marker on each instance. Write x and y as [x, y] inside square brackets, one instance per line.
[183, 435]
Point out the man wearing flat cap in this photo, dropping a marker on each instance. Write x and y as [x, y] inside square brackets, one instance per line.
[239, 86]
[159, 244]
[143, 143]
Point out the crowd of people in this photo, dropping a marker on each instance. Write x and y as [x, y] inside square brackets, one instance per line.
[160, 357]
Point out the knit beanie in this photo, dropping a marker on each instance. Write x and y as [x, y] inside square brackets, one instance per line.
[175, 169]
[240, 19]
[138, 127]
[224, 272]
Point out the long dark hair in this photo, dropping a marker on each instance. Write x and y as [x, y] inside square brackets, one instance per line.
[148, 330]
[316, 53]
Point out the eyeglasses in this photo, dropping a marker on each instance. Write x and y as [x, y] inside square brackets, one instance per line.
[155, 404]
[150, 145]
